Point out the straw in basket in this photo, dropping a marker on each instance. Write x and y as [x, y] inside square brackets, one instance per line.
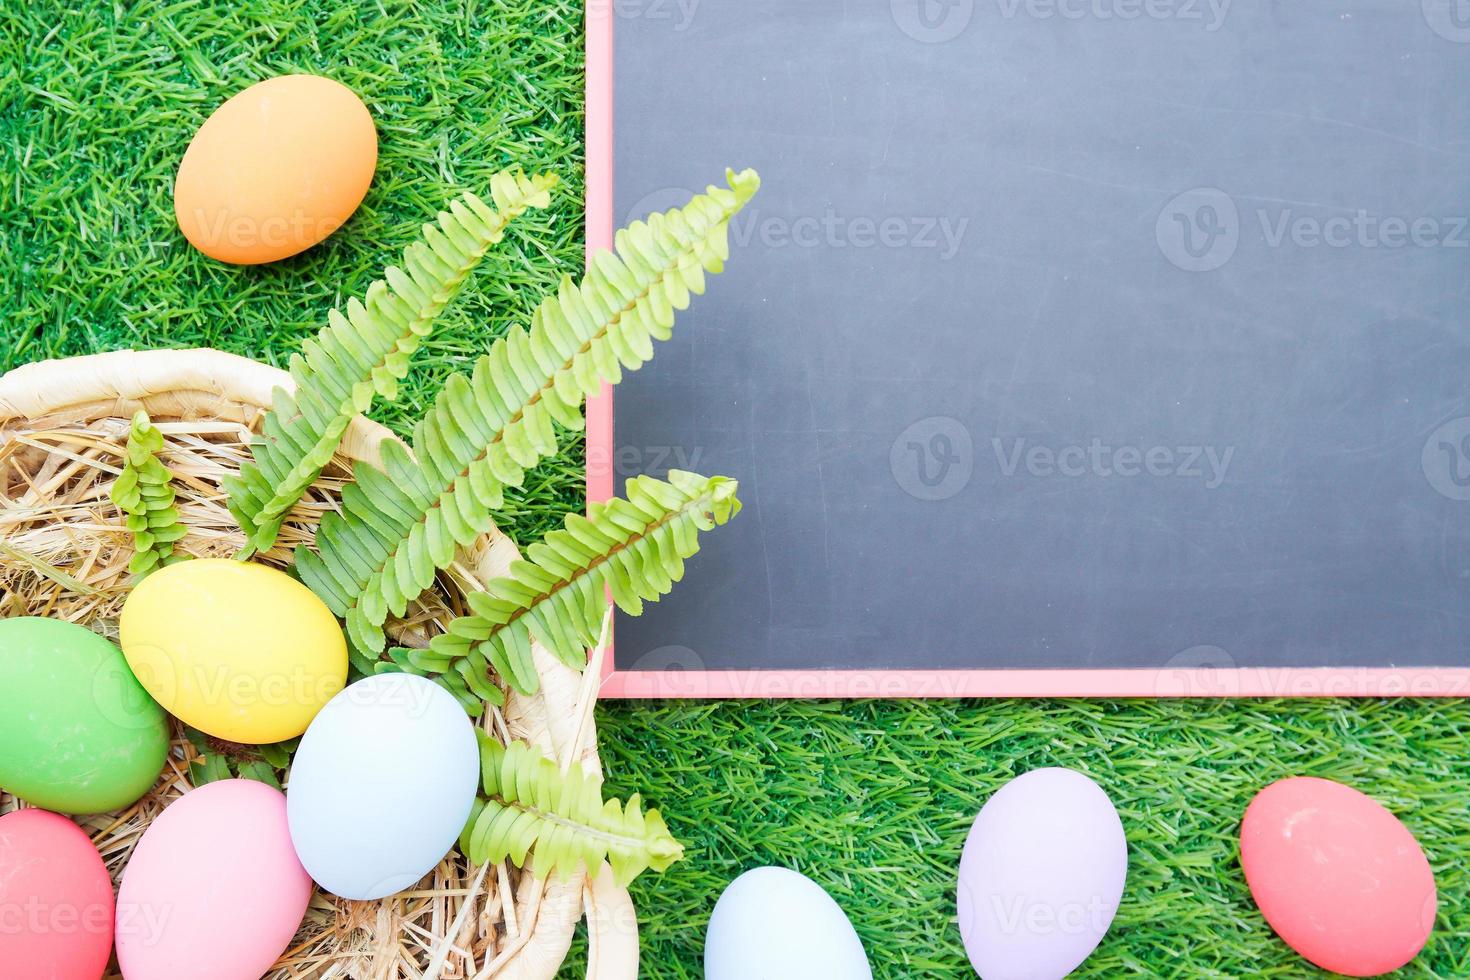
[64, 553]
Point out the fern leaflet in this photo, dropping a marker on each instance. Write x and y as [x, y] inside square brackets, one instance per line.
[634, 548]
[559, 819]
[145, 495]
[218, 759]
[365, 352]
[400, 524]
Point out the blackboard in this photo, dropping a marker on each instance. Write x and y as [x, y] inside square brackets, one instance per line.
[1062, 334]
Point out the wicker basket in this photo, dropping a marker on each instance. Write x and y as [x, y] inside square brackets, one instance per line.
[64, 553]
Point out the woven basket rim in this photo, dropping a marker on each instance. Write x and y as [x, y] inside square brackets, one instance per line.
[208, 384]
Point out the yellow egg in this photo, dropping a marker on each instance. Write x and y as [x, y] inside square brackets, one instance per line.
[275, 170]
[239, 651]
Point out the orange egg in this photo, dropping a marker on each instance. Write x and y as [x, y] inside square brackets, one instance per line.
[275, 170]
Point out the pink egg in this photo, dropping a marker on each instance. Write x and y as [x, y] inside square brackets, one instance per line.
[214, 890]
[1338, 877]
[55, 900]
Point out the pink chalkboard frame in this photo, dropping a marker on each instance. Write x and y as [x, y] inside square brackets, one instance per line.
[1194, 677]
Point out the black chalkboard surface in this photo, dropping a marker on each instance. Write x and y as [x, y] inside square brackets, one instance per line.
[1062, 333]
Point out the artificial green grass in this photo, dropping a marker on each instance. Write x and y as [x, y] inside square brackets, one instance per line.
[871, 799]
[98, 102]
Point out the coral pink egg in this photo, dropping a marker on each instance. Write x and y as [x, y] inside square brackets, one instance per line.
[214, 890]
[1338, 877]
[55, 900]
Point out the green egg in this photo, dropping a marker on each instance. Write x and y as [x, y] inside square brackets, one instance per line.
[78, 734]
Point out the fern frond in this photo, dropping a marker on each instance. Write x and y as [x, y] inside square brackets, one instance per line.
[634, 548]
[218, 759]
[401, 524]
[145, 495]
[559, 819]
[366, 351]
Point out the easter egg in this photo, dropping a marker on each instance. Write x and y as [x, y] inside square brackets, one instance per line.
[213, 891]
[276, 169]
[776, 924]
[241, 651]
[55, 900]
[1041, 876]
[1338, 877]
[78, 734]
[396, 747]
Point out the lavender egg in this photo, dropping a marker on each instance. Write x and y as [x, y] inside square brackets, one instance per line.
[1041, 876]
